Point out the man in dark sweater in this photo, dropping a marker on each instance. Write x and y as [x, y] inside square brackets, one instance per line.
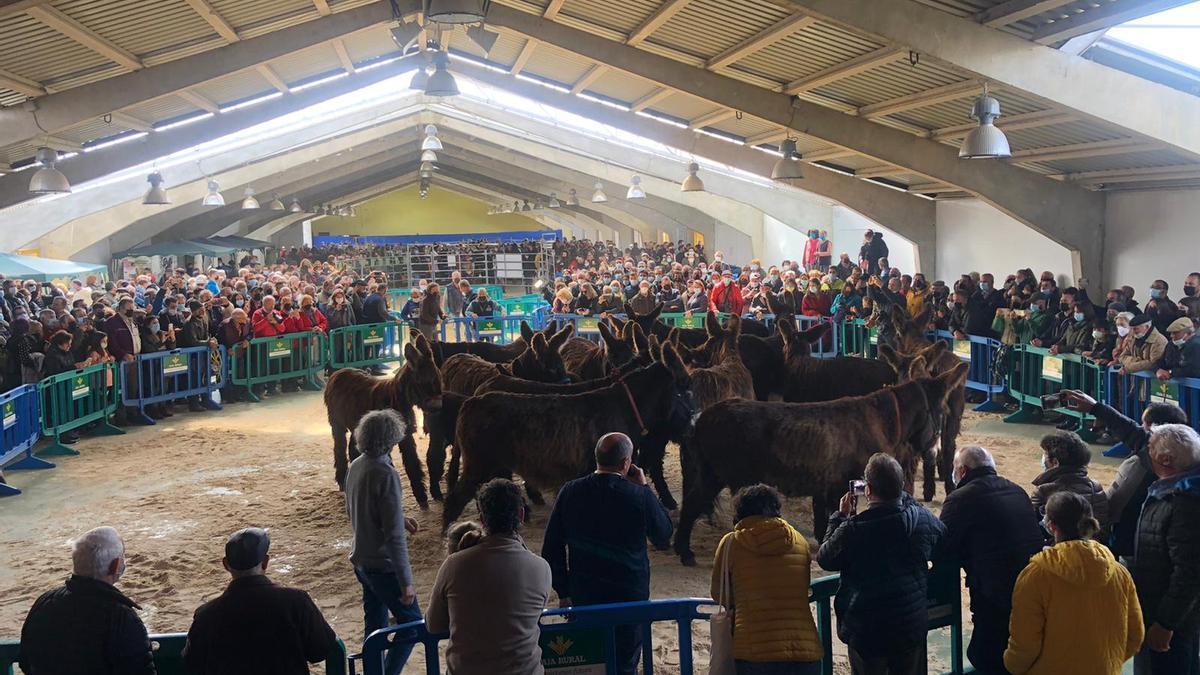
[596, 538]
[228, 633]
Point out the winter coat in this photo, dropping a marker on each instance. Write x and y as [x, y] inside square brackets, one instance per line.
[263, 327]
[106, 635]
[339, 316]
[455, 301]
[697, 303]
[1182, 361]
[302, 322]
[1077, 339]
[431, 310]
[1134, 477]
[57, 361]
[1145, 353]
[194, 334]
[883, 555]
[375, 309]
[842, 303]
[815, 304]
[992, 530]
[671, 300]
[915, 301]
[610, 303]
[769, 568]
[1166, 564]
[410, 310]
[1075, 610]
[642, 304]
[727, 298]
[1071, 479]
[232, 333]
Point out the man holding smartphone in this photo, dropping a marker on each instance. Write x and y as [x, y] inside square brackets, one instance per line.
[596, 539]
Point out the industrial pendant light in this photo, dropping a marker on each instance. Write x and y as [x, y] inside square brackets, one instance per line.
[456, 11]
[249, 202]
[213, 198]
[516, 207]
[431, 141]
[421, 77]
[554, 203]
[526, 207]
[157, 194]
[48, 180]
[573, 197]
[276, 204]
[598, 197]
[692, 183]
[427, 166]
[985, 141]
[428, 156]
[441, 82]
[635, 189]
[787, 169]
[483, 37]
[295, 207]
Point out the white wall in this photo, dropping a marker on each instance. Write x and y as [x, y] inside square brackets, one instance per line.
[1151, 235]
[975, 237]
[847, 232]
[736, 246]
[781, 241]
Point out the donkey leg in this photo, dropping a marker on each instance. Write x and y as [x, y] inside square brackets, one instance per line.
[654, 457]
[461, 494]
[339, 457]
[412, 466]
[435, 461]
[452, 475]
[928, 471]
[696, 502]
[950, 429]
[534, 495]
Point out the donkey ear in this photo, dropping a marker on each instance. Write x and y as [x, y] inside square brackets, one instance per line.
[815, 333]
[734, 325]
[560, 337]
[674, 364]
[617, 322]
[639, 338]
[951, 380]
[411, 353]
[629, 312]
[606, 333]
[774, 305]
[921, 320]
[538, 345]
[899, 317]
[526, 331]
[931, 353]
[917, 369]
[889, 356]
[787, 331]
[673, 335]
[424, 347]
[413, 334]
[711, 325]
[655, 349]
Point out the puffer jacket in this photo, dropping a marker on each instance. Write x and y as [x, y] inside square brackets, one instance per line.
[1075, 610]
[1166, 561]
[1071, 479]
[1144, 354]
[1077, 339]
[883, 555]
[1127, 492]
[769, 565]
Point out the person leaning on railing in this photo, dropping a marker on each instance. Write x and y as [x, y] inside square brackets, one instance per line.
[1181, 358]
[1146, 349]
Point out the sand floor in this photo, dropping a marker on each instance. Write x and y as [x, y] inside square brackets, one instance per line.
[175, 491]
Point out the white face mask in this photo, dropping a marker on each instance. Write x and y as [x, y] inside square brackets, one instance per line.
[1179, 343]
[1123, 330]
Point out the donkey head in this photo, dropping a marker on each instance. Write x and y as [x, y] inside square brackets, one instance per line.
[926, 434]
[798, 343]
[910, 331]
[541, 361]
[419, 380]
[646, 321]
[679, 406]
[915, 365]
[526, 332]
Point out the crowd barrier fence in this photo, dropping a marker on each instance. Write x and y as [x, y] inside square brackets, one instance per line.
[76, 398]
[163, 376]
[499, 329]
[859, 340]
[1034, 372]
[980, 353]
[587, 327]
[1131, 393]
[19, 431]
[292, 356]
[168, 655]
[828, 347]
[365, 345]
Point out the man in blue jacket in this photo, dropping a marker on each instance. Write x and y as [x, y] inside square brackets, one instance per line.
[596, 539]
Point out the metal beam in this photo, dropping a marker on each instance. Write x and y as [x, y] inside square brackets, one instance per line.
[322, 7]
[20, 84]
[1119, 146]
[767, 137]
[85, 36]
[1010, 12]
[1096, 91]
[339, 46]
[763, 39]
[653, 97]
[553, 9]
[272, 77]
[922, 99]
[198, 100]
[67, 108]
[1040, 118]
[831, 153]
[1101, 17]
[60, 144]
[523, 56]
[880, 172]
[714, 117]
[652, 23]
[1156, 173]
[856, 65]
[207, 12]
[131, 121]
[594, 73]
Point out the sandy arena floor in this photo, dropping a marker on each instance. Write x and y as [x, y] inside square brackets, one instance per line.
[176, 491]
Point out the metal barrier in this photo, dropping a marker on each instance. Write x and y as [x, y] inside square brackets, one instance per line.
[1034, 372]
[523, 306]
[827, 348]
[980, 353]
[688, 319]
[1131, 393]
[19, 431]
[498, 329]
[168, 655]
[171, 375]
[293, 356]
[859, 340]
[75, 398]
[372, 344]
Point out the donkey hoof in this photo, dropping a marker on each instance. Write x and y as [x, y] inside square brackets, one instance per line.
[688, 559]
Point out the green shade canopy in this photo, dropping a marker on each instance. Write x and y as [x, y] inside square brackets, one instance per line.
[178, 248]
[45, 269]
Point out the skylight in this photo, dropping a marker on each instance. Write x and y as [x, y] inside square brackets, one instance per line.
[1173, 34]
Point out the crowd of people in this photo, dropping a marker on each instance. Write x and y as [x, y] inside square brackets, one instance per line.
[1069, 576]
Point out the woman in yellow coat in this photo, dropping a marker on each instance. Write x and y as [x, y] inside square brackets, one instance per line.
[1075, 609]
[769, 562]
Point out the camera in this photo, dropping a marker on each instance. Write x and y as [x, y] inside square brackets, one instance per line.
[1052, 401]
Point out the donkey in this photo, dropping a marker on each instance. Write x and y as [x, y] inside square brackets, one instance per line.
[548, 438]
[351, 393]
[440, 426]
[586, 360]
[485, 350]
[807, 449]
[463, 373]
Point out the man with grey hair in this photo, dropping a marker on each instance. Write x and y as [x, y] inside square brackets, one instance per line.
[375, 503]
[102, 625]
[1166, 563]
[992, 530]
[596, 538]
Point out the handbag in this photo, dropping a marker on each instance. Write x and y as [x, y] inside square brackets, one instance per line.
[720, 625]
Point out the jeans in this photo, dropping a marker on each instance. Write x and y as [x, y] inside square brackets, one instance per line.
[381, 594]
[777, 667]
[1182, 659]
[629, 649]
[909, 662]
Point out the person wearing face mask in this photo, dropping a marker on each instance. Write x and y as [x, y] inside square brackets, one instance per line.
[1161, 309]
[154, 339]
[1063, 318]
[88, 606]
[1191, 296]
[669, 296]
[1048, 289]
[1146, 349]
[846, 303]
[1124, 333]
[809, 258]
[170, 315]
[1103, 342]
[339, 314]
[845, 267]
[1182, 355]
[726, 297]
[816, 302]
[1065, 459]
[125, 343]
[917, 296]
[1078, 336]
[697, 299]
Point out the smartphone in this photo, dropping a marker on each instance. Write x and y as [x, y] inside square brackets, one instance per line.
[858, 487]
[1052, 401]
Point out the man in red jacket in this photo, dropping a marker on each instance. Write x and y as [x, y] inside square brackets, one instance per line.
[726, 296]
[267, 322]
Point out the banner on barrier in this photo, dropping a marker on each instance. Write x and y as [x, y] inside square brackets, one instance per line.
[279, 349]
[587, 326]
[688, 321]
[10, 414]
[488, 328]
[962, 349]
[175, 364]
[577, 652]
[1052, 368]
[1166, 392]
[80, 388]
[373, 337]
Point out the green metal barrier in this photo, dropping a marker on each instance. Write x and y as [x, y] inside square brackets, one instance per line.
[494, 291]
[858, 340]
[283, 357]
[1034, 372]
[525, 305]
[75, 398]
[685, 320]
[168, 655]
[372, 344]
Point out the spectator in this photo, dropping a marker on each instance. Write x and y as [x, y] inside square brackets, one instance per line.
[1191, 296]
[562, 301]
[1065, 459]
[455, 298]
[1160, 308]
[643, 302]
[1147, 348]
[1166, 564]
[58, 357]
[256, 626]
[584, 304]
[412, 307]
[106, 635]
[883, 555]
[1078, 335]
[374, 309]
[991, 530]
[357, 295]
[431, 312]
[1181, 358]
[768, 563]
[604, 560]
[125, 343]
[1075, 609]
[375, 503]
[195, 334]
[266, 321]
[697, 297]
[338, 313]
[1103, 342]
[482, 305]
[490, 595]
[726, 297]
[610, 302]
[669, 296]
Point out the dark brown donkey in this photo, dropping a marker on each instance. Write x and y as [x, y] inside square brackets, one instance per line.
[487, 351]
[464, 373]
[812, 449]
[587, 360]
[548, 438]
[351, 393]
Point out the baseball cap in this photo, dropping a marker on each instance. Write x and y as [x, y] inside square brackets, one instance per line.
[246, 548]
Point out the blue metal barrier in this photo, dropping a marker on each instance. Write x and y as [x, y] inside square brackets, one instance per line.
[20, 429]
[172, 375]
[980, 353]
[1130, 394]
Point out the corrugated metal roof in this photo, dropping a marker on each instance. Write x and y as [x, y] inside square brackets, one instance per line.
[165, 108]
[803, 53]
[142, 27]
[892, 80]
[305, 63]
[705, 28]
[623, 87]
[619, 16]
[34, 50]
[263, 16]
[235, 87]
[558, 65]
